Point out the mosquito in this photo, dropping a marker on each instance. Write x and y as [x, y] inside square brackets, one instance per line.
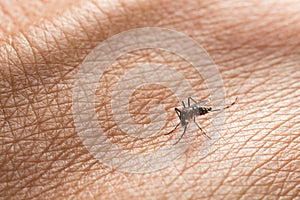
[191, 112]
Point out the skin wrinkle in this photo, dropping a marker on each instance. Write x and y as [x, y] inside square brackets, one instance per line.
[55, 57]
[17, 17]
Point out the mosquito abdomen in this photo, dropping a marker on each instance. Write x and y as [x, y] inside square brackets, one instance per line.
[202, 111]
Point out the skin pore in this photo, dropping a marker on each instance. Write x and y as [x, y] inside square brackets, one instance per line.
[256, 45]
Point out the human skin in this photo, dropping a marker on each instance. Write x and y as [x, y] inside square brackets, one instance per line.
[256, 45]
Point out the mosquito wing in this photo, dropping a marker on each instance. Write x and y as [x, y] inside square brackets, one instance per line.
[202, 103]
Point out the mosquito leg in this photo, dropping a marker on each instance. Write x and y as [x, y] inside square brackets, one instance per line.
[183, 104]
[181, 135]
[189, 101]
[173, 129]
[178, 112]
[201, 129]
[225, 106]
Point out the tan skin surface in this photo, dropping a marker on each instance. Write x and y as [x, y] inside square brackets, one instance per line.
[256, 45]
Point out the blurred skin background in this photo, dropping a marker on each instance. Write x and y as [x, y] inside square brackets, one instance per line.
[256, 45]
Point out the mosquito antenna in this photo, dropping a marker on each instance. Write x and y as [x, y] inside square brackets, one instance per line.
[225, 106]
